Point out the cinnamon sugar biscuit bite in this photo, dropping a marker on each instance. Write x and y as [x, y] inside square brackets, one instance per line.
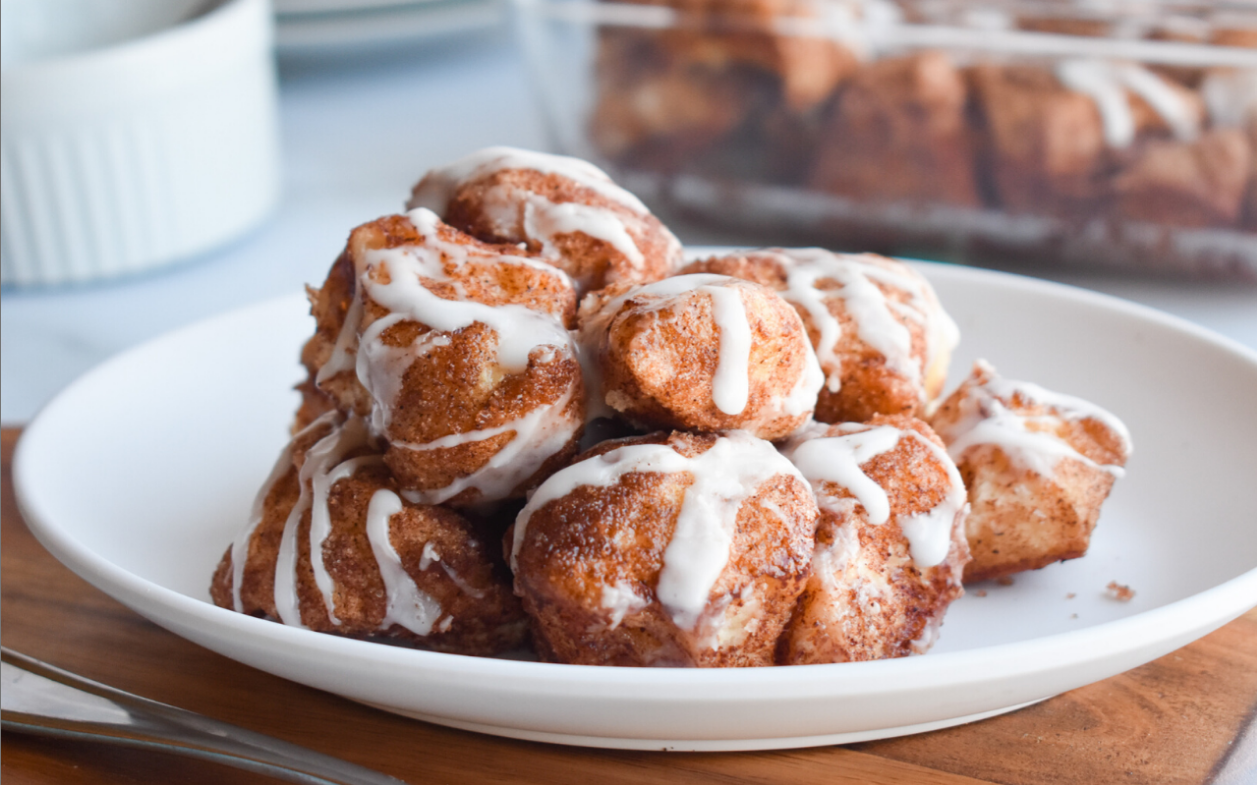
[899, 132]
[457, 353]
[564, 209]
[883, 339]
[708, 91]
[332, 547]
[1063, 139]
[1198, 183]
[702, 353]
[1037, 464]
[890, 544]
[668, 549]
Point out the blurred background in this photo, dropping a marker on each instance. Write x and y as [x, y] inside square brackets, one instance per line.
[164, 162]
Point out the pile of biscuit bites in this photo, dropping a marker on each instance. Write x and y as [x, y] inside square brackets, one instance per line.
[527, 419]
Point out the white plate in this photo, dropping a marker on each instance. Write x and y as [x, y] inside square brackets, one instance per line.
[139, 475]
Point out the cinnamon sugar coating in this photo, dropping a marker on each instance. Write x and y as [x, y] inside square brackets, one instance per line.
[589, 565]
[1037, 468]
[849, 304]
[469, 604]
[449, 401]
[1044, 144]
[867, 597]
[665, 95]
[1048, 150]
[1201, 183]
[444, 388]
[584, 225]
[899, 131]
[661, 353]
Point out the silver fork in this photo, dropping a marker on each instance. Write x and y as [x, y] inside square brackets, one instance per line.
[38, 698]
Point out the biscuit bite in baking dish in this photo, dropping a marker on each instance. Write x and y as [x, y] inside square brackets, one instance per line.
[699, 352]
[565, 210]
[331, 546]
[1089, 137]
[668, 549]
[706, 92]
[890, 544]
[882, 338]
[899, 132]
[1037, 466]
[456, 352]
[1044, 144]
[1198, 183]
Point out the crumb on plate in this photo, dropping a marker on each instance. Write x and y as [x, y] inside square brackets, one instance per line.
[1120, 592]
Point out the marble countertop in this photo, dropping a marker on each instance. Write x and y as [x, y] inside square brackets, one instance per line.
[357, 133]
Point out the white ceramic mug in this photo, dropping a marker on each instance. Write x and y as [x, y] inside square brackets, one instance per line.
[135, 139]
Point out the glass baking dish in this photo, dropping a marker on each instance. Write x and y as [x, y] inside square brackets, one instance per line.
[1105, 133]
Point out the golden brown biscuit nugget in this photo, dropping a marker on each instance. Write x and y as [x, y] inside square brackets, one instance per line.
[701, 353]
[1044, 146]
[728, 36]
[332, 547]
[668, 549]
[1037, 464]
[899, 132]
[456, 351]
[565, 210]
[882, 338]
[1074, 138]
[1199, 183]
[712, 80]
[890, 545]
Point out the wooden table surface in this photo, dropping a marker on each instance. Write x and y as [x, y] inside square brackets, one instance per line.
[1185, 718]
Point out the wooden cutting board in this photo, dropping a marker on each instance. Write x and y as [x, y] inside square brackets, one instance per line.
[1185, 718]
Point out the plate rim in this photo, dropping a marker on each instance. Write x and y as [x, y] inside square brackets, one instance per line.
[1140, 633]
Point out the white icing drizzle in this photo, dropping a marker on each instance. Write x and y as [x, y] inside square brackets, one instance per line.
[324, 464]
[929, 532]
[802, 397]
[873, 313]
[724, 476]
[987, 419]
[521, 334]
[1107, 83]
[428, 556]
[240, 547]
[512, 210]
[601, 471]
[321, 523]
[408, 605]
[730, 387]
[434, 260]
[544, 220]
[382, 368]
[438, 185]
[519, 329]
[838, 460]
[731, 381]
[343, 352]
[540, 433]
[1230, 97]
[1164, 100]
